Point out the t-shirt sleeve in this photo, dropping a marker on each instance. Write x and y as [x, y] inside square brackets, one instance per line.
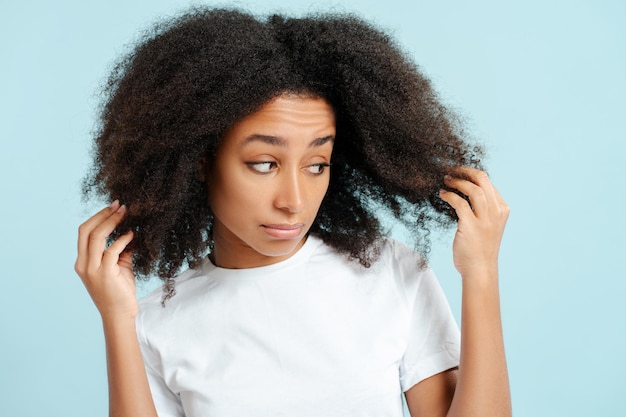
[433, 336]
[166, 402]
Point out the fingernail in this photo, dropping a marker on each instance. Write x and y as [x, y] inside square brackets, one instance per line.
[447, 177]
[122, 209]
[114, 205]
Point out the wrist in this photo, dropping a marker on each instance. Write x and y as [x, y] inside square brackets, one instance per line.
[118, 322]
[480, 275]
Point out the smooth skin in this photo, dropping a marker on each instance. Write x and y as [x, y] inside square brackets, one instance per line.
[267, 181]
[265, 187]
[480, 387]
[108, 276]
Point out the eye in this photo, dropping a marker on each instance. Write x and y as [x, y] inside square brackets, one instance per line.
[262, 167]
[317, 169]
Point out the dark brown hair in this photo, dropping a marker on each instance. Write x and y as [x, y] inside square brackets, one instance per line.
[168, 103]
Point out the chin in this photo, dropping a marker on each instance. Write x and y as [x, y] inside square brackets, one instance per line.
[279, 248]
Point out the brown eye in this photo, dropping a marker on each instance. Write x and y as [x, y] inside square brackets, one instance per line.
[317, 169]
[264, 167]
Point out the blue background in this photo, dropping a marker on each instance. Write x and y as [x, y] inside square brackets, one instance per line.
[542, 83]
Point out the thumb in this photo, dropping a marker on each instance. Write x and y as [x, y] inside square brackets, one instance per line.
[126, 260]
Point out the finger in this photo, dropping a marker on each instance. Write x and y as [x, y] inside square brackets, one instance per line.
[458, 203]
[97, 238]
[114, 254]
[126, 260]
[503, 207]
[473, 174]
[475, 193]
[480, 178]
[494, 203]
[84, 231]
[499, 197]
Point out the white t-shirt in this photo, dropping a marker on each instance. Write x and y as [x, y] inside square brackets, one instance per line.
[314, 335]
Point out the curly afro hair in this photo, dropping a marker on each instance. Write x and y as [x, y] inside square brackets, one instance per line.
[168, 103]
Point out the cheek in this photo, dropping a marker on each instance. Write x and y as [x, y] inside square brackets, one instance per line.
[323, 188]
[314, 197]
[231, 195]
[321, 194]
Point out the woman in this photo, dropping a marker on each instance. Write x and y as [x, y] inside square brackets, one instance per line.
[259, 153]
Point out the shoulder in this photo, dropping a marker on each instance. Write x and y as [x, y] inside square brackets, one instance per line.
[394, 262]
[408, 269]
[389, 255]
[384, 249]
[399, 257]
[185, 284]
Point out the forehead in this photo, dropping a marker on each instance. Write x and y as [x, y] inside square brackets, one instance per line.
[288, 117]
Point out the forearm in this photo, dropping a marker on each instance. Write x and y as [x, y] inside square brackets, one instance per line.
[129, 392]
[483, 384]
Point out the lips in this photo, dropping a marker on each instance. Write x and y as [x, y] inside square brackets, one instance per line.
[284, 231]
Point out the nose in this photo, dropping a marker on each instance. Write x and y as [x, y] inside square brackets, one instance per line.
[289, 194]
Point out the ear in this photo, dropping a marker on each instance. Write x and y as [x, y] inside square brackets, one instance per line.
[202, 167]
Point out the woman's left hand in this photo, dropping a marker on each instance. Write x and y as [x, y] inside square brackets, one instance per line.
[481, 220]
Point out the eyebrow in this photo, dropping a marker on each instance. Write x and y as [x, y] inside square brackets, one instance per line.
[278, 141]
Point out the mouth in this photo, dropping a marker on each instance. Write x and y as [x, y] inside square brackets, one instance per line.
[284, 231]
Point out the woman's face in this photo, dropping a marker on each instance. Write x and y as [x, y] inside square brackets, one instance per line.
[268, 179]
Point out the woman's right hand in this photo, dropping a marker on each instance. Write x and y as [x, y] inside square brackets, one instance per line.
[107, 271]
